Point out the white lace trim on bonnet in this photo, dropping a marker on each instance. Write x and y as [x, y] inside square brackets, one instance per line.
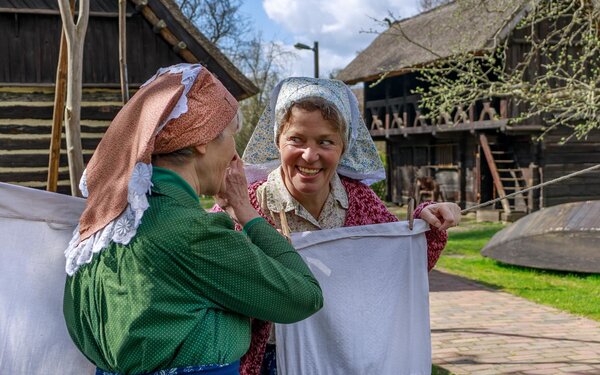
[124, 227]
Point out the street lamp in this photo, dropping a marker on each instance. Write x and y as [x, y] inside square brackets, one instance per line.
[315, 49]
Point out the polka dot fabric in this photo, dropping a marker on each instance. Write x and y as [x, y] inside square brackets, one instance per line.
[183, 291]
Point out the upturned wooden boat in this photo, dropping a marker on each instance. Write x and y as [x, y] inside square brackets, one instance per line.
[564, 238]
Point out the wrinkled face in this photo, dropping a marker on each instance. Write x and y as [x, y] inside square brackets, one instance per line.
[219, 154]
[310, 148]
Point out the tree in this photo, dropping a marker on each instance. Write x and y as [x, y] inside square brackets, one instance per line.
[75, 36]
[430, 4]
[564, 88]
[262, 62]
[220, 21]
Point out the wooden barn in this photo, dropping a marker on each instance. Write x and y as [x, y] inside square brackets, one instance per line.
[157, 35]
[474, 154]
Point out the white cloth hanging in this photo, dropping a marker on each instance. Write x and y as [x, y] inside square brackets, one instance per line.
[35, 228]
[376, 314]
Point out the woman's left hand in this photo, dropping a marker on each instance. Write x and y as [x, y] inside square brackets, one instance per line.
[441, 215]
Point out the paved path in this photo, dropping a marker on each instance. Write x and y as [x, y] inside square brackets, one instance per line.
[478, 330]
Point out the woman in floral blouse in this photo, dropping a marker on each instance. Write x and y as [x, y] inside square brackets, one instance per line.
[310, 161]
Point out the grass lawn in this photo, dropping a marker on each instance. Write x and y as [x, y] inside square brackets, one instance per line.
[575, 293]
[435, 370]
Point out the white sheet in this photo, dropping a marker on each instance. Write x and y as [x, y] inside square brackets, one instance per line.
[35, 228]
[374, 279]
[376, 314]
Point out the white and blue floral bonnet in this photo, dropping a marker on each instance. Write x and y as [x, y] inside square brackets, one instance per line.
[360, 161]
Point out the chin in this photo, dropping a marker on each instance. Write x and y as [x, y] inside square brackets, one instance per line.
[305, 188]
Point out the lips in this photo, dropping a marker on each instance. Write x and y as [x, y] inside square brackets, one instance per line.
[309, 171]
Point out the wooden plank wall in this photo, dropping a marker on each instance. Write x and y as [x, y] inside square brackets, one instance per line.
[559, 160]
[25, 130]
[31, 43]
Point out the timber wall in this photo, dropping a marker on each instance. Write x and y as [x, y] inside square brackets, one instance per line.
[26, 127]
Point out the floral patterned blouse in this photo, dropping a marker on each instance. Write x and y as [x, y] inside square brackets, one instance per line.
[274, 197]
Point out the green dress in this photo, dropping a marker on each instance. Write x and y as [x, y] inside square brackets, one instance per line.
[182, 291]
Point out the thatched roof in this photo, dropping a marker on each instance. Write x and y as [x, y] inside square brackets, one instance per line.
[457, 27]
[198, 47]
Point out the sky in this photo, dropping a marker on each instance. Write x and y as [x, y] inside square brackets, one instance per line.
[340, 26]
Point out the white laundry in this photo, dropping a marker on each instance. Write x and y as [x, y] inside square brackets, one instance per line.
[374, 279]
[375, 319]
[35, 228]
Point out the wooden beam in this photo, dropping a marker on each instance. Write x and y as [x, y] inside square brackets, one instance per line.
[494, 171]
[123, 52]
[479, 125]
[53, 12]
[58, 113]
[159, 26]
[17, 112]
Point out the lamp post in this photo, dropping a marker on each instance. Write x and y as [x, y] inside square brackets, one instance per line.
[315, 49]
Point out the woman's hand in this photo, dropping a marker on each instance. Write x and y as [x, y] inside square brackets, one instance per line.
[441, 215]
[233, 197]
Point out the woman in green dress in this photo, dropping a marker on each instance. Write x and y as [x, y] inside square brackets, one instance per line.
[155, 283]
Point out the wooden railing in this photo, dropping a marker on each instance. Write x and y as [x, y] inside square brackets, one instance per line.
[403, 115]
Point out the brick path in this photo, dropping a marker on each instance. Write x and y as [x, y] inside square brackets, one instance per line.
[478, 330]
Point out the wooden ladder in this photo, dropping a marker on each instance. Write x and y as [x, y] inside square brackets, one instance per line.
[507, 176]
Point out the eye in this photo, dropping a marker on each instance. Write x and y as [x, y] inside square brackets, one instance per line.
[294, 140]
[327, 142]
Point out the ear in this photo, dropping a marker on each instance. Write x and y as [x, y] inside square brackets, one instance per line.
[201, 149]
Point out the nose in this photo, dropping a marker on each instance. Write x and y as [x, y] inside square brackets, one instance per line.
[310, 154]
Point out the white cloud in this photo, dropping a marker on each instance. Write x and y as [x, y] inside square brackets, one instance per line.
[338, 25]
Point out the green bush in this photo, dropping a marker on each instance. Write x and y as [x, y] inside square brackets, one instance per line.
[380, 188]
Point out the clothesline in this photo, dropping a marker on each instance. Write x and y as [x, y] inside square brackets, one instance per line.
[562, 178]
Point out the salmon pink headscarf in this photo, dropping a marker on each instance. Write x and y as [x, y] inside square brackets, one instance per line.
[181, 106]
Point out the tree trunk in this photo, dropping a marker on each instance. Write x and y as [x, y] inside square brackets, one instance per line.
[73, 116]
[75, 34]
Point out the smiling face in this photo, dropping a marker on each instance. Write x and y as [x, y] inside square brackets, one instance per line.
[310, 148]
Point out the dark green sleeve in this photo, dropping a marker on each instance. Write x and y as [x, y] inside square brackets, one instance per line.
[258, 274]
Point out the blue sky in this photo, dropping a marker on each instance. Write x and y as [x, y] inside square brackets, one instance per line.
[338, 26]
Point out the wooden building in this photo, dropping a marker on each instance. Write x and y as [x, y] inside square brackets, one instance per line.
[157, 35]
[475, 153]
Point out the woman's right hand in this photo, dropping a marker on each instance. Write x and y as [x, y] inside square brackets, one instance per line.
[442, 215]
[233, 197]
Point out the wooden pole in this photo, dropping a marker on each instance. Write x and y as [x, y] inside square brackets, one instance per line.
[57, 115]
[494, 171]
[123, 51]
[75, 35]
